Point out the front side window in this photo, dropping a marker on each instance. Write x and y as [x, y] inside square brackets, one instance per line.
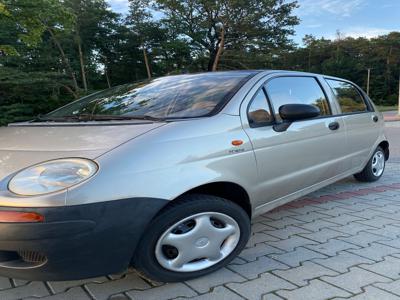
[296, 90]
[259, 113]
[350, 100]
[181, 96]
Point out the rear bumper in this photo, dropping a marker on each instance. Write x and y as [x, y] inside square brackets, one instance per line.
[75, 242]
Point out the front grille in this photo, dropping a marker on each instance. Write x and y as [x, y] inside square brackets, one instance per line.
[32, 256]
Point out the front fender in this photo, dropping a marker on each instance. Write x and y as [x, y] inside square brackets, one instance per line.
[171, 160]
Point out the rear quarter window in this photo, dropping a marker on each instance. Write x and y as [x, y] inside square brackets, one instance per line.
[348, 96]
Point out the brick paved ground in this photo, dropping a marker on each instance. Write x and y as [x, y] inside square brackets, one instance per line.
[341, 242]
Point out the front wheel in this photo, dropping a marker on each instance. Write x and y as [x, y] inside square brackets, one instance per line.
[192, 237]
[374, 168]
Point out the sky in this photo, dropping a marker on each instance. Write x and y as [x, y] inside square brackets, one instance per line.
[322, 18]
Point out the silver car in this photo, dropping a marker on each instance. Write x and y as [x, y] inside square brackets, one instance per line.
[166, 174]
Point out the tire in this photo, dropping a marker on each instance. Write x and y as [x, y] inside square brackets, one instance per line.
[374, 168]
[203, 221]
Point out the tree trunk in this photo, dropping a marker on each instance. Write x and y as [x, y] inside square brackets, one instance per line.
[338, 41]
[220, 50]
[105, 62]
[146, 62]
[399, 98]
[388, 71]
[65, 59]
[337, 52]
[107, 77]
[81, 60]
[69, 90]
[213, 55]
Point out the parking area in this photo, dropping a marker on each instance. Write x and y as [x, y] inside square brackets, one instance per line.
[340, 242]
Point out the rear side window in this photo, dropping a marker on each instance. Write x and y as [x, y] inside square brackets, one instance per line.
[259, 113]
[349, 98]
[296, 90]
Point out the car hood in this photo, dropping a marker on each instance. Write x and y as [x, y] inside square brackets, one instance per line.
[25, 144]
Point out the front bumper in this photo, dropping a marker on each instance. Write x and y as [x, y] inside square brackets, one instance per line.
[75, 242]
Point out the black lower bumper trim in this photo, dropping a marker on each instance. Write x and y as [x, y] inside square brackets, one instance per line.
[75, 242]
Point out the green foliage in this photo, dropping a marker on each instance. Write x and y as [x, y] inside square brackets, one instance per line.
[351, 58]
[247, 24]
[3, 10]
[53, 51]
[8, 50]
[35, 17]
[21, 93]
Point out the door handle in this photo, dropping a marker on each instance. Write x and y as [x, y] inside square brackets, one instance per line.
[334, 126]
[375, 119]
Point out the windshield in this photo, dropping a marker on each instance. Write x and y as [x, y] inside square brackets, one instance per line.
[181, 96]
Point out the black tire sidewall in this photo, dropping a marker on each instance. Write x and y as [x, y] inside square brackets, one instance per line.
[145, 259]
[371, 173]
[367, 175]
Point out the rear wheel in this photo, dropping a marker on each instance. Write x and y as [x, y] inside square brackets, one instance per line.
[374, 168]
[192, 237]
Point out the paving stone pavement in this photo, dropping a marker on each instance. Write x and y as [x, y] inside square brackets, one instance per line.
[341, 242]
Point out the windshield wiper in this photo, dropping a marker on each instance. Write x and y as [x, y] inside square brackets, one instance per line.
[89, 117]
[75, 118]
[134, 117]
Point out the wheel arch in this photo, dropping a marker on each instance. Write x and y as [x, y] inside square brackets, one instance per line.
[224, 189]
[385, 146]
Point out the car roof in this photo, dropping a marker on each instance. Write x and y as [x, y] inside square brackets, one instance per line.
[263, 72]
[270, 71]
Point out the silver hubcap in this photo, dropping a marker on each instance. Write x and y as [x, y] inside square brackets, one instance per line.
[378, 163]
[197, 242]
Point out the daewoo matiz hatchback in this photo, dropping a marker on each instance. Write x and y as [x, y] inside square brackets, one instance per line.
[166, 174]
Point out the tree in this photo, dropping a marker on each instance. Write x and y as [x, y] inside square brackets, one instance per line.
[36, 18]
[49, 49]
[213, 26]
[351, 58]
[93, 22]
[6, 31]
[140, 23]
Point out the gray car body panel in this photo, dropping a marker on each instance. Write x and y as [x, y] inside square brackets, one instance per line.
[165, 160]
[25, 144]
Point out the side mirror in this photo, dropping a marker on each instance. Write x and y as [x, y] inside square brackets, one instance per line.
[295, 112]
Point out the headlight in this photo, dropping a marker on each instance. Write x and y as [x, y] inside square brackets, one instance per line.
[52, 176]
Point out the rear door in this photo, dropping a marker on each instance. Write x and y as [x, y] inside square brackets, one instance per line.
[308, 152]
[360, 120]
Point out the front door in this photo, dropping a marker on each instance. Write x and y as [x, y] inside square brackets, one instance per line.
[308, 152]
